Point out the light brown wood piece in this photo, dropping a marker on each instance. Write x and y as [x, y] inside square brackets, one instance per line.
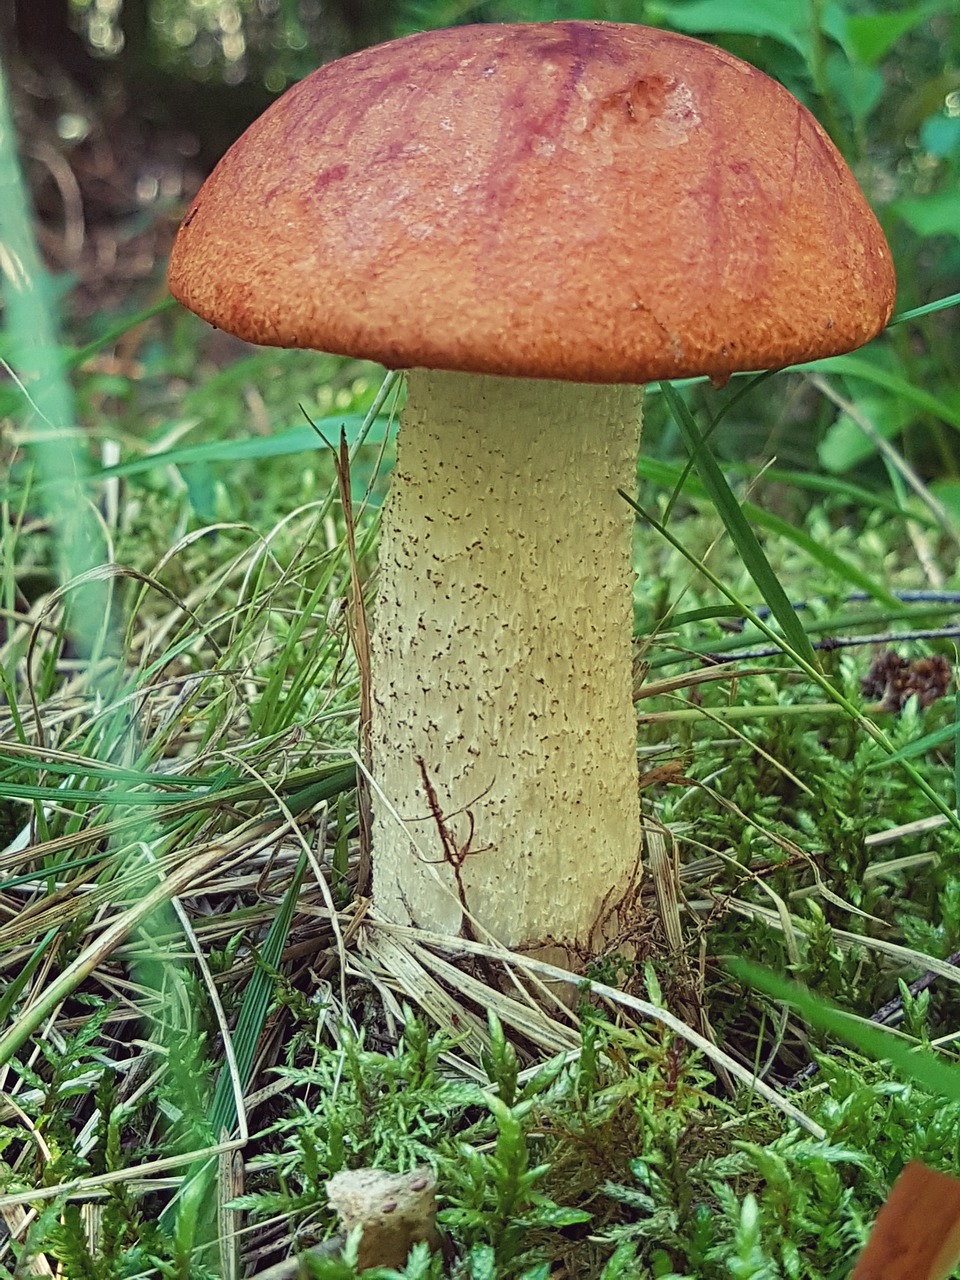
[395, 1210]
[917, 1233]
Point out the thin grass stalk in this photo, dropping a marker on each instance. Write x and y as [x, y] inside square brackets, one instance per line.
[812, 671]
[419, 946]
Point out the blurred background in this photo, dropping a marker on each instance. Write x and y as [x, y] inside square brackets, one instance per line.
[122, 106]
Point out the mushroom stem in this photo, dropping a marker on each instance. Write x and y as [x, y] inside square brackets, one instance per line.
[501, 656]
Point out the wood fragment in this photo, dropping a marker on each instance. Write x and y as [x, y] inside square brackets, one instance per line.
[917, 1233]
[395, 1210]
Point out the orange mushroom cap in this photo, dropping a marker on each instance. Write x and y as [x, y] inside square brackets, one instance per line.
[578, 200]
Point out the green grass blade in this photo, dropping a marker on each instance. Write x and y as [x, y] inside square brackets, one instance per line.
[924, 1067]
[920, 747]
[253, 1010]
[280, 444]
[811, 669]
[857, 366]
[915, 313]
[856, 495]
[838, 624]
[82, 354]
[14, 989]
[668, 476]
[737, 526]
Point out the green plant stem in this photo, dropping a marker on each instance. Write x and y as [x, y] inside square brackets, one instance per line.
[36, 360]
[756, 713]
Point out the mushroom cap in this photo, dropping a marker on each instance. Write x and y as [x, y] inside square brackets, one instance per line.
[590, 201]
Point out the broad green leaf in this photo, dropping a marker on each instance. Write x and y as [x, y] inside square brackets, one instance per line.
[845, 445]
[872, 36]
[774, 19]
[940, 135]
[860, 88]
[933, 215]
[201, 482]
[947, 492]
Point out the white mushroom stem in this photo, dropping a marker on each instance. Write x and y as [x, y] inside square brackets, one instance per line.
[502, 661]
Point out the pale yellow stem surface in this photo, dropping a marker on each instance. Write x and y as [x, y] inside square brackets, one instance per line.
[502, 659]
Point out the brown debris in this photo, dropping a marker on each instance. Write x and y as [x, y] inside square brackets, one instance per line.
[893, 680]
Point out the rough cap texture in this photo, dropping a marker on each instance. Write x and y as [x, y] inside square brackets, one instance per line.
[580, 200]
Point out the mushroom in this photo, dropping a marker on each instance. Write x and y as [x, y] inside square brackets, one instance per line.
[534, 220]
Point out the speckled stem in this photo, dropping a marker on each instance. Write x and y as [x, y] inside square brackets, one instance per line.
[502, 660]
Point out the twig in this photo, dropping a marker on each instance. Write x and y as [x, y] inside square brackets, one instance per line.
[454, 855]
[883, 446]
[360, 639]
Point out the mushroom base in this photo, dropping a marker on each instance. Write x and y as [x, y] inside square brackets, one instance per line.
[504, 734]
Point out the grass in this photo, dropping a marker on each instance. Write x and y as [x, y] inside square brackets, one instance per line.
[200, 1025]
[189, 884]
